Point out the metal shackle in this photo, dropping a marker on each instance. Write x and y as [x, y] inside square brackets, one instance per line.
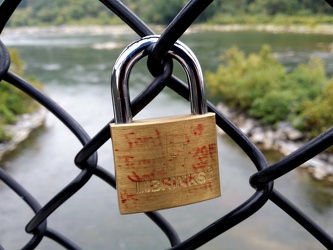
[137, 50]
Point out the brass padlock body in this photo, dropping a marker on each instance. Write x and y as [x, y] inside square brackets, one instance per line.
[166, 162]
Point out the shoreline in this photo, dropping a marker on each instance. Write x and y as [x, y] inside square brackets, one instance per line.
[20, 131]
[283, 139]
[303, 29]
[124, 29]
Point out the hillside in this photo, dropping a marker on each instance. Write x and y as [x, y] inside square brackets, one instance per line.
[59, 12]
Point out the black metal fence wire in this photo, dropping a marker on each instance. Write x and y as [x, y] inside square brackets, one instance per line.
[86, 159]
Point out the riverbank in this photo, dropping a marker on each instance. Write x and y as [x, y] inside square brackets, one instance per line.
[20, 131]
[316, 29]
[282, 138]
[124, 29]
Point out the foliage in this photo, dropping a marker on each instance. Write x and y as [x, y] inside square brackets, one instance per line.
[241, 80]
[13, 102]
[317, 114]
[273, 107]
[306, 19]
[259, 85]
[57, 12]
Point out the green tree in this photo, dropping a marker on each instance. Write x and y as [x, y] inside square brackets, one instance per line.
[14, 102]
[162, 12]
[273, 7]
[259, 85]
[317, 114]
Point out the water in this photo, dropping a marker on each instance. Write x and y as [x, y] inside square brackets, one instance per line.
[77, 76]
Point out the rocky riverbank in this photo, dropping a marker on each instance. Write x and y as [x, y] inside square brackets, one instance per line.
[284, 138]
[20, 131]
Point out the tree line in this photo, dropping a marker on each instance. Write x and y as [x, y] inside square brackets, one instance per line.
[58, 12]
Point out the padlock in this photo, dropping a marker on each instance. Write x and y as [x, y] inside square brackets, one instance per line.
[165, 162]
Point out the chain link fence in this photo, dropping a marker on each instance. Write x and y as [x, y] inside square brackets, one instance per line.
[86, 159]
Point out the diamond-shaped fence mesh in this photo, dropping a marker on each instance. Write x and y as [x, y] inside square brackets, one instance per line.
[87, 162]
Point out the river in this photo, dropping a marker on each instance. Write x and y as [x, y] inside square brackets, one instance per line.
[76, 68]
